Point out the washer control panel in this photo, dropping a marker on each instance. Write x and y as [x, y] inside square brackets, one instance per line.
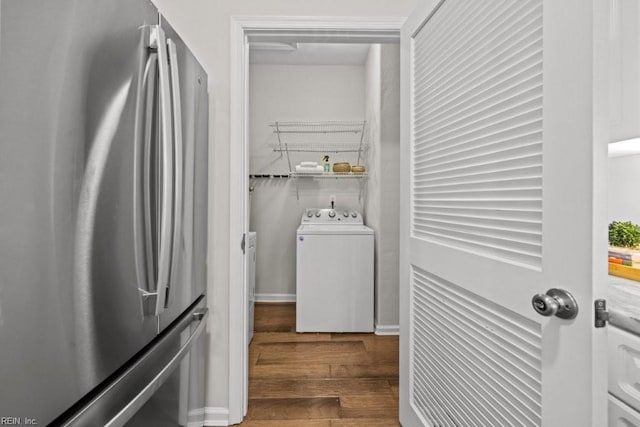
[329, 216]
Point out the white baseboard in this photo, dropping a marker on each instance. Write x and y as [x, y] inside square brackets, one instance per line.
[195, 418]
[275, 297]
[387, 330]
[216, 416]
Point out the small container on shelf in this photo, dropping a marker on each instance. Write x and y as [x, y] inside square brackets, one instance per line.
[342, 167]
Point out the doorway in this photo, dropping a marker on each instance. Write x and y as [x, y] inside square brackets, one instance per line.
[281, 30]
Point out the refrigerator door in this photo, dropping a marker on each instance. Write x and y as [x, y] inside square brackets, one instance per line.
[190, 102]
[70, 276]
[180, 401]
[162, 386]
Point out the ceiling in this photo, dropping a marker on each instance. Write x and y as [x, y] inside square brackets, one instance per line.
[309, 53]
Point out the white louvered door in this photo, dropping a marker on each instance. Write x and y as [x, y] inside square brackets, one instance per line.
[504, 147]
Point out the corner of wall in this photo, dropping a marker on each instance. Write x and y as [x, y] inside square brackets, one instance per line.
[371, 211]
[389, 187]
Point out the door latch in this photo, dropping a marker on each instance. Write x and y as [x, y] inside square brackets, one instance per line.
[243, 242]
[601, 314]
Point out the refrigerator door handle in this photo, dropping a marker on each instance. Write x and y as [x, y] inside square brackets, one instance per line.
[178, 160]
[158, 42]
[148, 278]
[134, 405]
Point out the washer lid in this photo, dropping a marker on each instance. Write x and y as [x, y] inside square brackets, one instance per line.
[334, 229]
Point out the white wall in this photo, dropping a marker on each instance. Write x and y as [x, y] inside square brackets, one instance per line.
[372, 202]
[389, 240]
[624, 196]
[383, 186]
[294, 93]
[205, 26]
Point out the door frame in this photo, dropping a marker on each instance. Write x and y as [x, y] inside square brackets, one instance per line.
[314, 29]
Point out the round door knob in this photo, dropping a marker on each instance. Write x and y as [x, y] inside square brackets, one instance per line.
[545, 305]
[332, 214]
[556, 302]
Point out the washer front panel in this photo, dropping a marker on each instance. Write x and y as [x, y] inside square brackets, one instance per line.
[334, 281]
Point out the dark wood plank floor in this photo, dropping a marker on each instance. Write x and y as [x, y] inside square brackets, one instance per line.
[319, 379]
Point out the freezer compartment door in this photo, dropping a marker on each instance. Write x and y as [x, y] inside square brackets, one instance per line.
[190, 102]
[154, 388]
[70, 305]
[180, 401]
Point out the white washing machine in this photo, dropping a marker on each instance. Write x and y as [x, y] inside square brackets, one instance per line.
[334, 272]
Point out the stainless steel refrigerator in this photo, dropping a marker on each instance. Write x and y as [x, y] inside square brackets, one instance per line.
[103, 208]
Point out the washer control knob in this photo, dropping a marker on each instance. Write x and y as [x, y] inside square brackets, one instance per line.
[318, 214]
[354, 214]
[309, 214]
[345, 214]
[332, 214]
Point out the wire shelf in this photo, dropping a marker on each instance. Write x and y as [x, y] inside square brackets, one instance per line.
[327, 175]
[329, 147]
[326, 137]
[321, 127]
[320, 137]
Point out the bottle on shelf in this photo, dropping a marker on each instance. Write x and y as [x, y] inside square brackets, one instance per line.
[327, 166]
